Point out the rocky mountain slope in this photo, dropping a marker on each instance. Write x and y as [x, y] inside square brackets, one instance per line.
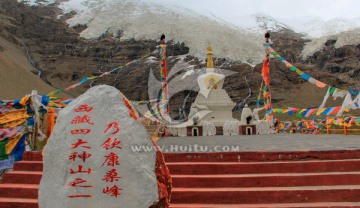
[20, 81]
[64, 57]
[17, 76]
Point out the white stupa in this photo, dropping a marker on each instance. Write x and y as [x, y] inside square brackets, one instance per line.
[212, 96]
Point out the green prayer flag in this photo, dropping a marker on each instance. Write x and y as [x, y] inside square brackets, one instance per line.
[292, 68]
[3, 155]
[332, 90]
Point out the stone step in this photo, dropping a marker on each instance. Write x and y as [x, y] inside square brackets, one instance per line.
[266, 180]
[267, 195]
[287, 205]
[28, 166]
[22, 177]
[18, 203]
[243, 156]
[19, 190]
[238, 168]
[261, 156]
[218, 168]
[32, 156]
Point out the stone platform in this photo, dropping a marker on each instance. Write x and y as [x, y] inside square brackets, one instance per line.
[266, 171]
[268, 143]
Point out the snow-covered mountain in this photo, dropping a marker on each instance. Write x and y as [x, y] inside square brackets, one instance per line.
[315, 27]
[233, 33]
[148, 20]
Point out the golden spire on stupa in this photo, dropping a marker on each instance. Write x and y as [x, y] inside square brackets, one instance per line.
[210, 62]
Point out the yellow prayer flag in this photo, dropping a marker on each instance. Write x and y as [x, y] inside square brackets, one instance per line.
[24, 100]
[15, 123]
[320, 111]
[13, 116]
[9, 147]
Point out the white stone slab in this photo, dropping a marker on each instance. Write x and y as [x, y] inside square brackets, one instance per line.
[137, 169]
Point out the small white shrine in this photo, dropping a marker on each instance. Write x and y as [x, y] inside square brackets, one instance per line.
[247, 122]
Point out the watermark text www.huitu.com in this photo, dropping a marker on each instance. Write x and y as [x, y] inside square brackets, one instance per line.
[186, 148]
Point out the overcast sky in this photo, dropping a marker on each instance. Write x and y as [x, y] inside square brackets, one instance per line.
[326, 9]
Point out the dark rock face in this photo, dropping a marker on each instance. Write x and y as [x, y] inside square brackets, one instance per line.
[64, 58]
[337, 60]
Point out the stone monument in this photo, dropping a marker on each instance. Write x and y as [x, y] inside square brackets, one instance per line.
[94, 157]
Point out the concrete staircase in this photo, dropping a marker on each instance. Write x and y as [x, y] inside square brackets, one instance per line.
[229, 180]
[260, 179]
[19, 188]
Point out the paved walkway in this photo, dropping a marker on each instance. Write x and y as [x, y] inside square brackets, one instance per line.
[273, 142]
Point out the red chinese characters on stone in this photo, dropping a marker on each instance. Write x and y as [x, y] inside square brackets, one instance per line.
[112, 191]
[80, 143]
[112, 159]
[77, 183]
[82, 119]
[111, 176]
[82, 156]
[113, 126]
[80, 170]
[73, 156]
[80, 131]
[84, 108]
[111, 143]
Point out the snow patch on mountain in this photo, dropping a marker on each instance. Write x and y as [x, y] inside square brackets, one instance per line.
[316, 27]
[265, 23]
[351, 37]
[38, 2]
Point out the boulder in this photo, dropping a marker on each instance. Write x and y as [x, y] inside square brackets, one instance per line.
[100, 155]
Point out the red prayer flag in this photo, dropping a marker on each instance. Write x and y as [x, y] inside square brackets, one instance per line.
[337, 109]
[266, 72]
